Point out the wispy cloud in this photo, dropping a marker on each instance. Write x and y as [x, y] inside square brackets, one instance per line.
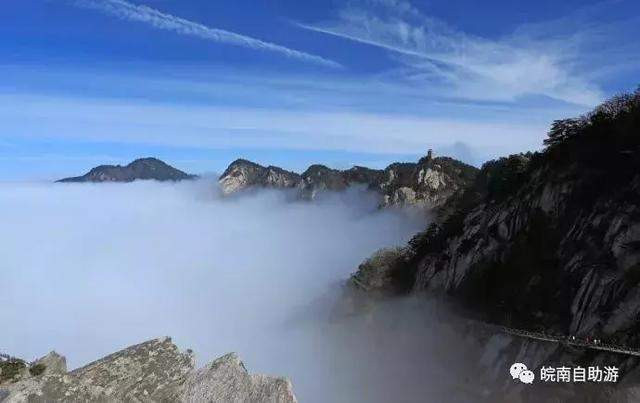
[141, 13]
[528, 62]
[320, 113]
[130, 122]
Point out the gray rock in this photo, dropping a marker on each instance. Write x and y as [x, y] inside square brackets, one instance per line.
[154, 371]
[375, 275]
[12, 369]
[146, 372]
[547, 241]
[401, 197]
[242, 175]
[319, 178]
[52, 363]
[227, 380]
[430, 182]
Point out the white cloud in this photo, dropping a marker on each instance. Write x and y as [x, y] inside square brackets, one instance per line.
[532, 61]
[157, 19]
[261, 127]
[91, 268]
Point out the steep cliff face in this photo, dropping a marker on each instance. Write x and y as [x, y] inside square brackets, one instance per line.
[548, 240]
[144, 168]
[154, 371]
[430, 182]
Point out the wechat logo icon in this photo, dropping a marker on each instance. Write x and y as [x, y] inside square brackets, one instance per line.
[520, 371]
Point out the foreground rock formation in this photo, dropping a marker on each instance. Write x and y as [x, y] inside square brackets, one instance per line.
[547, 241]
[429, 182]
[143, 168]
[154, 371]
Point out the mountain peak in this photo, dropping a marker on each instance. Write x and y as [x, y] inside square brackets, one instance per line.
[243, 174]
[430, 181]
[147, 161]
[142, 168]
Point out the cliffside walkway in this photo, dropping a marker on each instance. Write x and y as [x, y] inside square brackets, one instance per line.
[566, 340]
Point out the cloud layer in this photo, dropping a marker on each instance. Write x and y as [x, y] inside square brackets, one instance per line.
[265, 128]
[88, 269]
[160, 20]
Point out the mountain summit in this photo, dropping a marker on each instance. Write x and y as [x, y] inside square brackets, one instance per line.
[431, 181]
[143, 168]
[242, 174]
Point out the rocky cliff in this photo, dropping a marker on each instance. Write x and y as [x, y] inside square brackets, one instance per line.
[144, 168]
[154, 371]
[242, 175]
[544, 241]
[430, 182]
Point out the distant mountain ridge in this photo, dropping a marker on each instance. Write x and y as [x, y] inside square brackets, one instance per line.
[430, 181]
[143, 168]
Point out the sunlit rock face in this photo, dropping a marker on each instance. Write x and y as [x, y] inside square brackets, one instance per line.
[140, 169]
[227, 380]
[243, 174]
[429, 183]
[154, 371]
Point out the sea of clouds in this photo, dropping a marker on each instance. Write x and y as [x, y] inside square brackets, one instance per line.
[87, 269]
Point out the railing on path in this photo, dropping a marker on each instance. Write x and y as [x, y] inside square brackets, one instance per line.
[592, 344]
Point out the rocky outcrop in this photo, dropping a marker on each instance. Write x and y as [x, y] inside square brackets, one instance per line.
[549, 240]
[154, 371]
[144, 168]
[243, 174]
[50, 363]
[227, 380]
[375, 274]
[319, 178]
[430, 182]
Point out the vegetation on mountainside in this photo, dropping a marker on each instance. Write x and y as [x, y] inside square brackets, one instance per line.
[593, 158]
[504, 177]
[608, 125]
[37, 369]
[374, 273]
[453, 167]
[11, 368]
[142, 168]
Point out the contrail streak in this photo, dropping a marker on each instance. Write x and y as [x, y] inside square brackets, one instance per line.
[141, 13]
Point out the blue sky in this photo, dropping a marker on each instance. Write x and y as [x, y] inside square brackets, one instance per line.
[199, 83]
